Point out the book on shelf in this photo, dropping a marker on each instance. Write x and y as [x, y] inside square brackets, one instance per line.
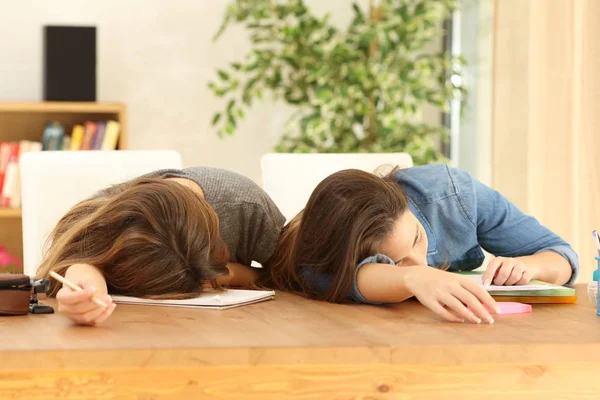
[88, 135]
[5, 151]
[9, 154]
[99, 137]
[111, 135]
[10, 180]
[76, 137]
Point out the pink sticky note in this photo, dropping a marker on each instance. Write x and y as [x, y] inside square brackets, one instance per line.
[509, 307]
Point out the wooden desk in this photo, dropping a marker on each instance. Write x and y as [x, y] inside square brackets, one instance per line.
[295, 348]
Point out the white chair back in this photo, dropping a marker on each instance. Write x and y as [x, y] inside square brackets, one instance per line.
[290, 178]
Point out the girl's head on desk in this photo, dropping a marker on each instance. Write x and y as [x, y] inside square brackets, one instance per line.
[350, 215]
[151, 237]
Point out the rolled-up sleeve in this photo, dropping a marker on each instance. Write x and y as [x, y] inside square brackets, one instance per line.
[503, 230]
[567, 252]
[355, 294]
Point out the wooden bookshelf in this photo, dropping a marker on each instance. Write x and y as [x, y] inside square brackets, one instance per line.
[26, 121]
[10, 213]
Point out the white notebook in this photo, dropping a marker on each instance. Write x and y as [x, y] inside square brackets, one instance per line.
[212, 300]
[495, 288]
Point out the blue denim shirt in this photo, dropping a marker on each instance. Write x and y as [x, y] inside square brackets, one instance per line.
[461, 216]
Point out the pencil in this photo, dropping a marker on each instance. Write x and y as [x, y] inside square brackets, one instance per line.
[76, 288]
[596, 241]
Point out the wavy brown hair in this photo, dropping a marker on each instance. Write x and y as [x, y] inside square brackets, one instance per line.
[346, 219]
[149, 237]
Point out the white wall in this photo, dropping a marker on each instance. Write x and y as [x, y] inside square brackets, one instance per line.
[156, 56]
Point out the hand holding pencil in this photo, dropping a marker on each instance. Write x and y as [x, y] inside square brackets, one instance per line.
[80, 302]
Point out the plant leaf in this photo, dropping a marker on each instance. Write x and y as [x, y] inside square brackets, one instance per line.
[216, 118]
[223, 75]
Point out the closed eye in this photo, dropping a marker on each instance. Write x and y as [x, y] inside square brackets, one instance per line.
[418, 237]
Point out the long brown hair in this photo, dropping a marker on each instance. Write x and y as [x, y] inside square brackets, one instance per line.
[150, 237]
[347, 217]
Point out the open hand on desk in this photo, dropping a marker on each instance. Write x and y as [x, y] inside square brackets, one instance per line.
[79, 307]
[449, 295]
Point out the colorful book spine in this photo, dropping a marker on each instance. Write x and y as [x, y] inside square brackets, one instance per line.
[5, 150]
[9, 196]
[111, 135]
[77, 137]
[99, 138]
[88, 137]
[10, 188]
[25, 146]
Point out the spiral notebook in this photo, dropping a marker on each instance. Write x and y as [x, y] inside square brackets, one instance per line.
[218, 300]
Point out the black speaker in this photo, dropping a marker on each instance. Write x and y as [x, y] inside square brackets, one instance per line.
[69, 63]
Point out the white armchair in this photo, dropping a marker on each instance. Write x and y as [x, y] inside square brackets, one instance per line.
[290, 178]
[53, 182]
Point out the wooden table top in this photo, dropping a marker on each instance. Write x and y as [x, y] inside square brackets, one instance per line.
[294, 330]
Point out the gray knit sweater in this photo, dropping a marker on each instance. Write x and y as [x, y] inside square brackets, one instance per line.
[249, 221]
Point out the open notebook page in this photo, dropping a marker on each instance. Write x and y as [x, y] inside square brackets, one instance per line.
[211, 299]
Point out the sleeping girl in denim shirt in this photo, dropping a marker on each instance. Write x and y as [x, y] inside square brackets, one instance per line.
[379, 240]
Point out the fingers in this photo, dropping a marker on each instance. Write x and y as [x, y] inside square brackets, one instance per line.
[490, 272]
[454, 297]
[475, 307]
[83, 307]
[512, 272]
[459, 308]
[525, 278]
[78, 307]
[504, 271]
[95, 316]
[507, 272]
[481, 294]
[69, 297]
[515, 275]
[500, 272]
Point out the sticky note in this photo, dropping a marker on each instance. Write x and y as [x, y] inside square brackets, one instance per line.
[509, 307]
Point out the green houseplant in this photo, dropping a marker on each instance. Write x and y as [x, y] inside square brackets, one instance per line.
[354, 90]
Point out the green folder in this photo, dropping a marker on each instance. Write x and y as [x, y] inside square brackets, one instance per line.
[553, 290]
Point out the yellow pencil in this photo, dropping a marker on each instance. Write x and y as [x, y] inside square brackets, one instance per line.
[76, 288]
